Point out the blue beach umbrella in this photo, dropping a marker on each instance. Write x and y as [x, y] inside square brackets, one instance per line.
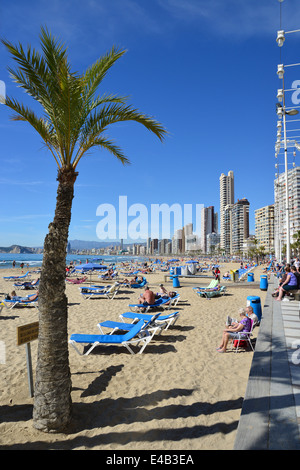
[90, 267]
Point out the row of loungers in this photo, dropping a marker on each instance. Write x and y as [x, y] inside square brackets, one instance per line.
[138, 333]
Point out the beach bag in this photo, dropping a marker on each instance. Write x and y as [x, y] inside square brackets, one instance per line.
[243, 343]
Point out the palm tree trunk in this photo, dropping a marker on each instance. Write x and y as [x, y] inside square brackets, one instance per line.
[52, 397]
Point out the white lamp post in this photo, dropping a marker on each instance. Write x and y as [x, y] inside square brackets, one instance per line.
[281, 111]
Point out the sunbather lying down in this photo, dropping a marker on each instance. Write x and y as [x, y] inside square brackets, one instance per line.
[29, 298]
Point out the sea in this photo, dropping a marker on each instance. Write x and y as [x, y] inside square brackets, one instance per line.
[35, 260]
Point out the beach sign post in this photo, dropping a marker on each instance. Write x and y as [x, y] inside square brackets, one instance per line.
[26, 334]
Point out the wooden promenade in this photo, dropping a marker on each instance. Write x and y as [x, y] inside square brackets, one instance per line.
[270, 416]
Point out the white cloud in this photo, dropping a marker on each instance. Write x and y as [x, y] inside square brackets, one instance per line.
[107, 20]
[24, 217]
[234, 17]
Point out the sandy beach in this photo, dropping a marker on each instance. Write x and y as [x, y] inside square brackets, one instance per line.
[180, 394]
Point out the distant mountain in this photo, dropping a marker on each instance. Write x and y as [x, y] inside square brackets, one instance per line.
[87, 245]
[17, 249]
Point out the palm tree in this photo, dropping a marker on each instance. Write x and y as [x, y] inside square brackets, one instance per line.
[73, 122]
[261, 252]
[296, 244]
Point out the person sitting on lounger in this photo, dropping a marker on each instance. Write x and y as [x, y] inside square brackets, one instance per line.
[131, 282]
[297, 274]
[232, 331]
[230, 322]
[164, 294]
[147, 297]
[108, 274]
[163, 291]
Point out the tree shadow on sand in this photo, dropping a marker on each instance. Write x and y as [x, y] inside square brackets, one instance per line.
[105, 414]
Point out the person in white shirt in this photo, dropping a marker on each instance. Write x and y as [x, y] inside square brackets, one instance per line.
[297, 264]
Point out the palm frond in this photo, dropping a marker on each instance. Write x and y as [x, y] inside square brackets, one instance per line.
[104, 143]
[42, 126]
[98, 121]
[74, 117]
[97, 71]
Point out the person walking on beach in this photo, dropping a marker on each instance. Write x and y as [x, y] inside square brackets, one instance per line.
[217, 274]
[297, 264]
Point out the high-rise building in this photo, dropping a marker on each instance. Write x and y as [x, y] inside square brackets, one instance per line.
[207, 225]
[154, 246]
[264, 227]
[236, 226]
[163, 246]
[212, 242]
[280, 218]
[226, 197]
[177, 242]
[240, 224]
[216, 223]
[187, 230]
[227, 227]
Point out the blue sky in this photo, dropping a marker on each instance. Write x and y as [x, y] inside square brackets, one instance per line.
[205, 70]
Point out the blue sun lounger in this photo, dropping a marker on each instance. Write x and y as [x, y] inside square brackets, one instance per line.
[210, 293]
[139, 284]
[20, 302]
[164, 302]
[149, 324]
[138, 335]
[100, 291]
[164, 320]
[211, 285]
[16, 278]
[27, 284]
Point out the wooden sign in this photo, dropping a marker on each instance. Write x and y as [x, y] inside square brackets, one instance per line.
[27, 333]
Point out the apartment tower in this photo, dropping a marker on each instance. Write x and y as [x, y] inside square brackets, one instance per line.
[207, 225]
[280, 218]
[240, 224]
[264, 227]
[226, 198]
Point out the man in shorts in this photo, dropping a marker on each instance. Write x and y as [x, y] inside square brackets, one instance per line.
[148, 297]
